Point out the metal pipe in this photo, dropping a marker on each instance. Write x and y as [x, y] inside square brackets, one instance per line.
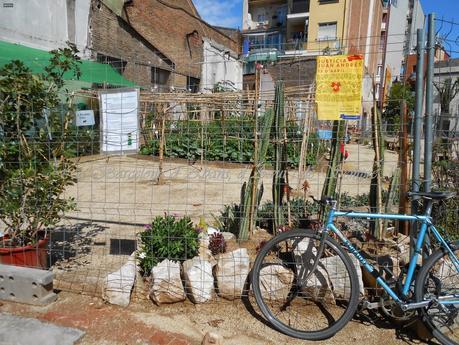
[417, 127]
[428, 137]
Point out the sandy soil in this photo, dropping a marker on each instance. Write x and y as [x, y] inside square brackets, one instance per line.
[115, 196]
[185, 323]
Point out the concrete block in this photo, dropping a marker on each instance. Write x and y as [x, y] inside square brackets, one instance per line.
[26, 285]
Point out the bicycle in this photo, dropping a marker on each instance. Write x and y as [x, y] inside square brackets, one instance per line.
[307, 287]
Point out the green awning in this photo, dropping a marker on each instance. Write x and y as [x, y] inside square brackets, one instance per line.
[36, 60]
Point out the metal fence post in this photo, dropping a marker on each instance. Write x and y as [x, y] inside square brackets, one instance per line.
[417, 127]
[428, 137]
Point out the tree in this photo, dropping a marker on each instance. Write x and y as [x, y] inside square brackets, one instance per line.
[447, 91]
[392, 112]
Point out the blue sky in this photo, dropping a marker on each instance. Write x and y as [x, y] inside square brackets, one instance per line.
[229, 12]
[448, 10]
[226, 13]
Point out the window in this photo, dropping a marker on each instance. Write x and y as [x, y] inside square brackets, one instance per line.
[116, 63]
[192, 84]
[159, 76]
[327, 32]
[379, 71]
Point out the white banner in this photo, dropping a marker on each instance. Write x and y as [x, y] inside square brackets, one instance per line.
[120, 123]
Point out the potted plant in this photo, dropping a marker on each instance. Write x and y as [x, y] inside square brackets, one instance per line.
[34, 171]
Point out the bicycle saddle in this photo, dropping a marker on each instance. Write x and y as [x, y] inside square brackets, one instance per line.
[433, 195]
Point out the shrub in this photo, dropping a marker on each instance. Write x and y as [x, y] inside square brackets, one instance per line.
[167, 238]
[217, 243]
[229, 219]
[34, 130]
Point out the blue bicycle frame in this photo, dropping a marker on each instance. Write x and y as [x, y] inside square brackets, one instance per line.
[426, 224]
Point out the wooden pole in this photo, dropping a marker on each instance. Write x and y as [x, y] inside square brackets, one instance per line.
[254, 191]
[403, 227]
[377, 173]
[341, 167]
[161, 149]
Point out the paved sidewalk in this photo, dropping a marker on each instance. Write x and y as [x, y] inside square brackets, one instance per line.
[16, 330]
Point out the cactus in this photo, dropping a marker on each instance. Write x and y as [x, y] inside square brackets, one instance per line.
[280, 153]
[329, 188]
[248, 204]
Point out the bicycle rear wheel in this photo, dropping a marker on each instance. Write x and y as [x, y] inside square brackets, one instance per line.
[439, 280]
[298, 300]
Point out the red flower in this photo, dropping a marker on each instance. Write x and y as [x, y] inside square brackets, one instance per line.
[336, 85]
[354, 57]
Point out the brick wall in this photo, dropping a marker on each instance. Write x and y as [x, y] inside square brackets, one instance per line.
[294, 72]
[177, 33]
[113, 36]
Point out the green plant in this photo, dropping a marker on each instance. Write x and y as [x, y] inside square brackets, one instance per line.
[280, 156]
[229, 219]
[250, 193]
[34, 168]
[167, 237]
[392, 111]
[230, 140]
[359, 200]
[217, 243]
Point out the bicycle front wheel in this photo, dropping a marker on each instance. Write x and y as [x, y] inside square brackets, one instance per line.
[303, 291]
[438, 281]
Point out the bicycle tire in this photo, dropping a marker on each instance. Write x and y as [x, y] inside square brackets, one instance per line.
[350, 307]
[426, 283]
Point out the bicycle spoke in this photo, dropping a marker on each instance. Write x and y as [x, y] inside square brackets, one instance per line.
[303, 288]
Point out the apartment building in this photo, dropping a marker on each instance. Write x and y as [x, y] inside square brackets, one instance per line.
[277, 29]
[401, 19]
[283, 33]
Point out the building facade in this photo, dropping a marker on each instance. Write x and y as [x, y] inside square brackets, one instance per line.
[446, 102]
[401, 20]
[160, 45]
[279, 32]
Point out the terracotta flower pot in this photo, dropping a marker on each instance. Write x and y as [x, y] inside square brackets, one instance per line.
[28, 256]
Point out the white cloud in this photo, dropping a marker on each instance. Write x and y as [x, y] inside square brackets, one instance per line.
[220, 12]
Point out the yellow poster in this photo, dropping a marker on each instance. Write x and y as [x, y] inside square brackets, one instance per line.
[339, 86]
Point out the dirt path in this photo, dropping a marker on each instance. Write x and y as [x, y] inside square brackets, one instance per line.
[182, 324]
[124, 189]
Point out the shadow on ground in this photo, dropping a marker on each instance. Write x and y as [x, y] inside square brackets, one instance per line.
[71, 240]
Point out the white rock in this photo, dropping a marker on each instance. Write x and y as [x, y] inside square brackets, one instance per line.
[212, 339]
[199, 279]
[231, 272]
[118, 285]
[275, 282]
[166, 283]
[228, 236]
[211, 230]
[339, 276]
[318, 285]
[330, 274]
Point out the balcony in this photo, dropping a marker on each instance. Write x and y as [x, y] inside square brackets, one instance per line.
[301, 6]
